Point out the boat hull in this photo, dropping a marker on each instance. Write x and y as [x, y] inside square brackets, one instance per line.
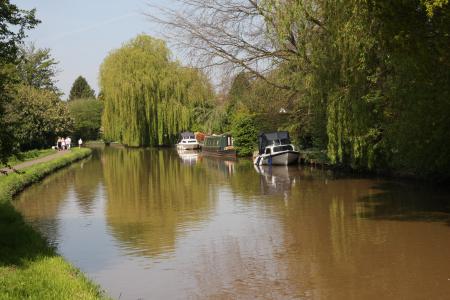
[282, 159]
[188, 146]
[220, 153]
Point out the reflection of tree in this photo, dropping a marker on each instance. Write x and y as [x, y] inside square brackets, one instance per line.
[40, 211]
[86, 181]
[152, 196]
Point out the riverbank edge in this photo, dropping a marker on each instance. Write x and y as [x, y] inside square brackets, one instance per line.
[29, 266]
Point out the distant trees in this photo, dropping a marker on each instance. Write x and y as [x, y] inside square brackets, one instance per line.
[148, 98]
[81, 89]
[87, 115]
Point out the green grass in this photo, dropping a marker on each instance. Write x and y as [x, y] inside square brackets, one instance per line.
[29, 267]
[28, 155]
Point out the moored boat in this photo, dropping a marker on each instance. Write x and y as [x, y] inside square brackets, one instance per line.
[188, 141]
[219, 145]
[275, 148]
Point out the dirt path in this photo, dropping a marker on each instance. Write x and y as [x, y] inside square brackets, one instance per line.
[32, 162]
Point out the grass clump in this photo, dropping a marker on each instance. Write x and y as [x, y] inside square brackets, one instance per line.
[29, 267]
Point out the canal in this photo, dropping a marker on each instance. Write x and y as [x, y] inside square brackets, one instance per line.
[153, 224]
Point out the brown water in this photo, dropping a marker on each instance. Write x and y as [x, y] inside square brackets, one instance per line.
[149, 224]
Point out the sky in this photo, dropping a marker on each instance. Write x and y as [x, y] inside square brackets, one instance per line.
[81, 33]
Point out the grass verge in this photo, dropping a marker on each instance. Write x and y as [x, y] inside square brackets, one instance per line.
[29, 267]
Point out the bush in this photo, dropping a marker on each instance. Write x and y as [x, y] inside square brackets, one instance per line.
[245, 133]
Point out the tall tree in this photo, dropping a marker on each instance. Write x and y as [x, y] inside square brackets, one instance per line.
[13, 24]
[37, 68]
[148, 98]
[81, 89]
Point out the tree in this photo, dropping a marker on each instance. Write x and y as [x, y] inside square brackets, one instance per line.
[235, 35]
[148, 99]
[87, 116]
[81, 89]
[13, 24]
[38, 117]
[37, 68]
[245, 133]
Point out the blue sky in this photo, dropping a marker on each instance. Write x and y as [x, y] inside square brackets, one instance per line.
[81, 33]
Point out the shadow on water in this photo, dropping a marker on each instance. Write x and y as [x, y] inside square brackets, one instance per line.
[19, 243]
[406, 202]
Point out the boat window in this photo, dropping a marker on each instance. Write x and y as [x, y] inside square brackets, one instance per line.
[282, 148]
[267, 150]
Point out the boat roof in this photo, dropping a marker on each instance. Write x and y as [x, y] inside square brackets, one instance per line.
[277, 135]
[267, 138]
[188, 135]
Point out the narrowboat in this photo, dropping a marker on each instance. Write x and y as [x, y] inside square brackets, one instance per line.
[219, 145]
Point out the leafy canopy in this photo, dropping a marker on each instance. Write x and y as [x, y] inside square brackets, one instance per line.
[13, 24]
[38, 117]
[37, 68]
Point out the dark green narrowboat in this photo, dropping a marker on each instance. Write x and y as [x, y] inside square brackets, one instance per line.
[219, 145]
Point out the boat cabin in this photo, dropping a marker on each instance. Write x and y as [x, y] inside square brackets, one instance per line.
[272, 142]
[218, 142]
[187, 135]
[274, 149]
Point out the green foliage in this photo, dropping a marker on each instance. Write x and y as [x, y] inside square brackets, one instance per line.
[81, 89]
[245, 133]
[38, 117]
[87, 116]
[13, 24]
[372, 79]
[37, 68]
[433, 5]
[149, 99]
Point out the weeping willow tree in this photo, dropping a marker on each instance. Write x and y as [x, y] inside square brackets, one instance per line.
[148, 98]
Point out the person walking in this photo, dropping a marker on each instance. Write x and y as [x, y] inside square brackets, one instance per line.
[68, 142]
[63, 144]
[80, 141]
[58, 143]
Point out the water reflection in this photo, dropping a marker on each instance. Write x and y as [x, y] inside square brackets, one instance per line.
[148, 224]
[152, 198]
[188, 156]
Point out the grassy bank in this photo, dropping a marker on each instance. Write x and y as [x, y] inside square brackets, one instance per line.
[29, 267]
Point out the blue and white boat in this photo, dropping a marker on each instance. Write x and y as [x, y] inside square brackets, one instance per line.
[275, 148]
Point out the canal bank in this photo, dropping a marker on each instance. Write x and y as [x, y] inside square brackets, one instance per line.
[29, 267]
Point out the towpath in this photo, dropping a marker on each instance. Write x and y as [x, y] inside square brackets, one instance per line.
[32, 162]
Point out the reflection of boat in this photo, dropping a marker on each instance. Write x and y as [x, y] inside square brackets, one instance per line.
[275, 148]
[188, 141]
[219, 145]
[188, 156]
[277, 180]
